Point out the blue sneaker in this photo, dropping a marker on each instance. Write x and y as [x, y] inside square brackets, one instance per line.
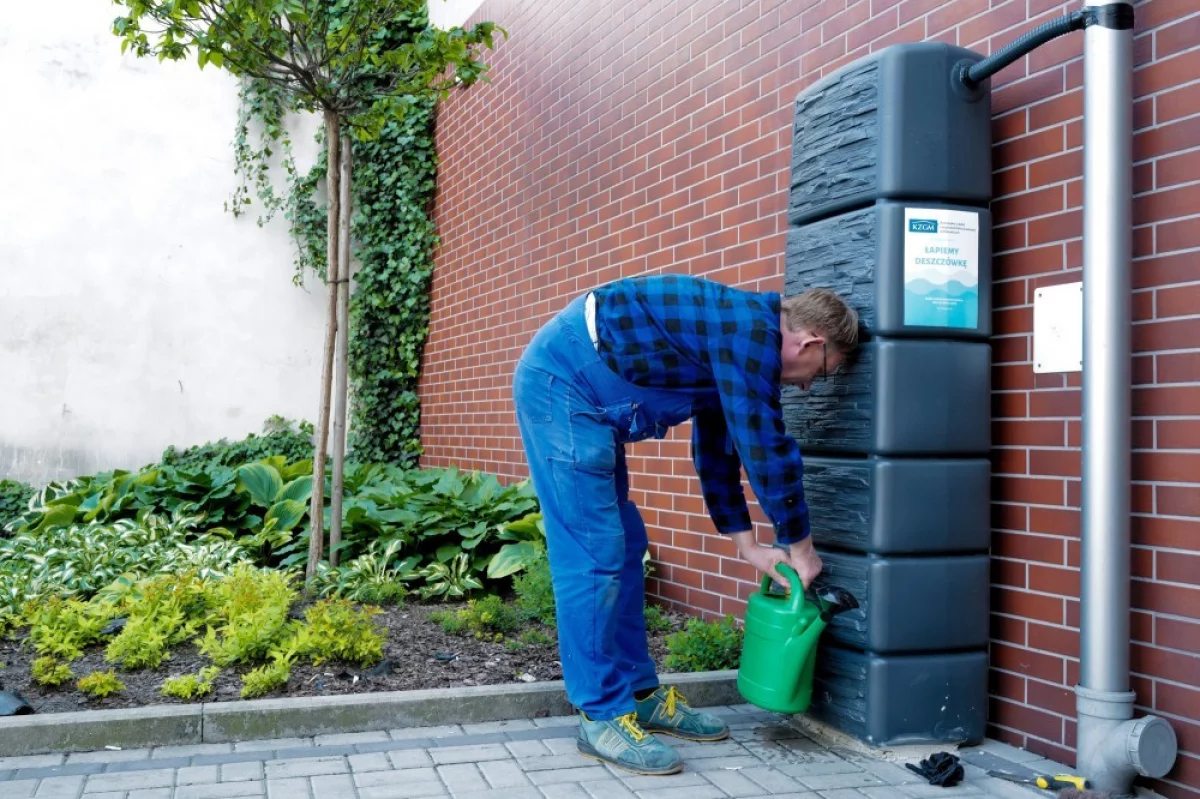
[667, 711]
[625, 745]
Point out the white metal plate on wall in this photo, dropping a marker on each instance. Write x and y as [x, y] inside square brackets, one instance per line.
[1058, 329]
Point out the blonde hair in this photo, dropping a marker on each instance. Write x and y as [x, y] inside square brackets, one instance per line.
[823, 313]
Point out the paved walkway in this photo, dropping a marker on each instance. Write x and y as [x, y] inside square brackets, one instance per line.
[766, 756]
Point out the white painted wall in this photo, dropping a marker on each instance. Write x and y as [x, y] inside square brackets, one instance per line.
[447, 14]
[134, 311]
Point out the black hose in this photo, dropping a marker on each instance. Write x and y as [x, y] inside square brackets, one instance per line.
[979, 72]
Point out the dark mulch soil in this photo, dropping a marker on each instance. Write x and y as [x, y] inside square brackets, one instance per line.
[418, 655]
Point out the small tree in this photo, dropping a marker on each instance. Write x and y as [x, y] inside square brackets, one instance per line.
[349, 60]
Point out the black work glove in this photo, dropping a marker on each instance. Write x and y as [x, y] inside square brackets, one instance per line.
[941, 769]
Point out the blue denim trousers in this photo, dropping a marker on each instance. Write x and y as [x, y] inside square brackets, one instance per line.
[576, 415]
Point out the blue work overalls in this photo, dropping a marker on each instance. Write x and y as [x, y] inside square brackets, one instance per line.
[575, 415]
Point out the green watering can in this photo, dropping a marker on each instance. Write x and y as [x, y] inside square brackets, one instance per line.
[779, 648]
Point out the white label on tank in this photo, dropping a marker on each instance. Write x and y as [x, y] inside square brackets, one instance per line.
[941, 268]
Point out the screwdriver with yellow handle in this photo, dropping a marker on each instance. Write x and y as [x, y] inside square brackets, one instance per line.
[1046, 782]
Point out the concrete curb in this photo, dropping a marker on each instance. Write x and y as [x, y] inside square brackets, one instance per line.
[222, 722]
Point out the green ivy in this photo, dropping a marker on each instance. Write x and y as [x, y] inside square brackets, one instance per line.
[393, 236]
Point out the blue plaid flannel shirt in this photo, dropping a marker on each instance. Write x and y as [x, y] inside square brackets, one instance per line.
[681, 332]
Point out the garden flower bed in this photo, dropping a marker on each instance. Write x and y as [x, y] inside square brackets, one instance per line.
[183, 582]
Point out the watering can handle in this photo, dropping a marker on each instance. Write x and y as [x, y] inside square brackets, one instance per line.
[796, 598]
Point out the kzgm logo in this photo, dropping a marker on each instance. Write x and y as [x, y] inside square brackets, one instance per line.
[922, 226]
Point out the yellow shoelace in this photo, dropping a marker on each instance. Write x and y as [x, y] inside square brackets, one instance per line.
[672, 697]
[629, 722]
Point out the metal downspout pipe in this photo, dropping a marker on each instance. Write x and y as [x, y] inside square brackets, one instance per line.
[1112, 748]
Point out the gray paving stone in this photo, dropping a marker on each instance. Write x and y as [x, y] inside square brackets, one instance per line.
[701, 751]
[57, 788]
[690, 792]
[607, 789]
[682, 780]
[377, 779]
[329, 750]
[547, 762]
[314, 767]
[104, 795]
[336, 786]
[141, 765]
[475, 739]
[460, 777]
[563, 746]
[829, 782]
[79, 769]
[520, 749]
[579, 774]
[351, 738]
[418, 790]
[132, 780]
[231, 757]
[190, 750]
[374, 761]
[886, 792]
[841, 793]
[293, 788]
[151, 793]
[890, 773]
[444, 731]
[722, 763]
[268, 744]
[238, 772]
[499, 726]
[733, 783]
[773, 780]
[108, 756]
[502, 793]
[557, 721]
[198, 775]
[393, 746]
[222, 790]
[817, 768]
[926, 791]
[564, 790]
[410, 758]
[542, 733]
[503, 774]
[468, 754]
[31, 761]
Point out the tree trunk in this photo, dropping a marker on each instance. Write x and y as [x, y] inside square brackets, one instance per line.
[343, 352]
[317, 511]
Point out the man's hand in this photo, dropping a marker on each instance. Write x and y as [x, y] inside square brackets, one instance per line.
[762, 558]
[806, 561]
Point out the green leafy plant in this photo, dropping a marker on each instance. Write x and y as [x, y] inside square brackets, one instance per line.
[486, 618]
[452, 580]
[535, 592]
[14, 500]
[267, 678]
[191, 686]
[705, 646]
[656, 620]
[289, 439]
[371, 577]
[337, 630]
[79, 560]
[48, 671]
[250, 615]
[63, 628]
[535, 637]
[100, 684]
[528, 544]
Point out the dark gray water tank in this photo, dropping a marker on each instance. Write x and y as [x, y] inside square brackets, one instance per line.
[873, 258]
[892, 700]
[900, 506]
[899, 397]
[910, 605]
[891, 125]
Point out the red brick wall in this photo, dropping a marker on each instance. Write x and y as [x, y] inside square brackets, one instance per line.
[636, 136]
